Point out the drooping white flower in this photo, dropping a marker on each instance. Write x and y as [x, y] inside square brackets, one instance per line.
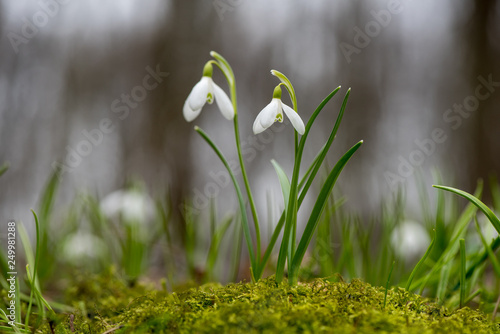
[206, 90]
[83, 246]
[409, 240]
[132, 206]
[273, 112]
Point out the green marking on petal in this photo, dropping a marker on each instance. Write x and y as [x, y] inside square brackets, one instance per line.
[210, 98]
[279, 118]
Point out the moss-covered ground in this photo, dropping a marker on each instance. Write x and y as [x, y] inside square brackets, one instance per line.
[106, 304]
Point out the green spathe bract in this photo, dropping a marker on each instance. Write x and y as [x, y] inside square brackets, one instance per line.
[289, 251]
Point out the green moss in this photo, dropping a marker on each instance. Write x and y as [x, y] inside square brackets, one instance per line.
[320, 306]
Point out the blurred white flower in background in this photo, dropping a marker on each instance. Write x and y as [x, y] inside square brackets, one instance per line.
[409, 240]
[131, 206]
[82, 247]
[489, 232]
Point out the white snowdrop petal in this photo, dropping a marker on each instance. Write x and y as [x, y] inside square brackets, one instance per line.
[257, 127]
[269, 113]
[189, 114]
[223, 102]
[198, 96]
[266, 117]
[294, 119]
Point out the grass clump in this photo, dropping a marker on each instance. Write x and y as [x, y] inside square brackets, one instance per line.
[320, 306]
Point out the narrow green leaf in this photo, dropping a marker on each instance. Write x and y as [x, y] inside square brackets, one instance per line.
[291, 213]
[474, 200]
[326, 147]
[462, 272]
[284, 182]
[318, 209]
[285, 188]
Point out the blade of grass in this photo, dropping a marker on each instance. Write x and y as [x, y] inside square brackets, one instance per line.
[444, 278]
[387, 284]
[235, 263]
[420, 263]
[491, 255]
[462, 272]
[474, 200]
[33, 282]
[453, 245]
[213, 252]
[473, 295]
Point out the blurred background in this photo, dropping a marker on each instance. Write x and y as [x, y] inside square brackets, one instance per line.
[97, 88]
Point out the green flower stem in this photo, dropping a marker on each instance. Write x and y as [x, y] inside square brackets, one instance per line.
[279, 226]
[287, 249]
[246, 229]
[229, 74]
[294, 190]
[245, 177]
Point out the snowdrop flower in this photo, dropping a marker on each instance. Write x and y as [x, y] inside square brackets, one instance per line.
[273, 112]
[409, 240]
[206, 90]
[81, 246]
[132, 206]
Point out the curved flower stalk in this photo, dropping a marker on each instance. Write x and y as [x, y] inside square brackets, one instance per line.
[206, 91]
[273, 112]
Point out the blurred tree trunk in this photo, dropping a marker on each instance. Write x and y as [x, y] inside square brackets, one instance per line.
[181, 46]
[485, 147]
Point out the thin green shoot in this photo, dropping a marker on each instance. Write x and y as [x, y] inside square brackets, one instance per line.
[388, 281]
[487, 247]
[420, 263]
[495, 221]
[215, 243]
[462, 273]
